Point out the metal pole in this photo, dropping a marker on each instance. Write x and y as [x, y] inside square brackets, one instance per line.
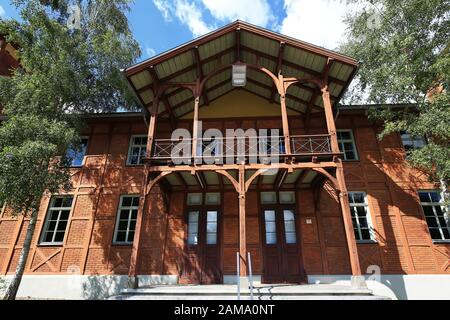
[238, 275]
[250, 275]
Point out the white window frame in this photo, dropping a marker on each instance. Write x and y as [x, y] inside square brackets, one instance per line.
[50, 209]
[84, 156]
[132, 145]
[352, 141]
[433, 205]
[368, 218]
[130, 210]
[406, 136]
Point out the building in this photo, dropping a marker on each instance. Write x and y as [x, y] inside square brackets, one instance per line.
[327, 202]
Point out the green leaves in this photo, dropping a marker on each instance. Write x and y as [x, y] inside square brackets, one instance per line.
[405, 60]
[65, 73]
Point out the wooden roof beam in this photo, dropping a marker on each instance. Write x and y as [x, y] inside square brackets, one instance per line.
[164, 99]
[278, 70]
[200, 74]
[292, 65]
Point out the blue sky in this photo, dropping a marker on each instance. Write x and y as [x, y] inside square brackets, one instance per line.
[160, 25]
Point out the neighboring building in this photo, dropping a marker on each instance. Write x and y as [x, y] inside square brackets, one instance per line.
[341, 205]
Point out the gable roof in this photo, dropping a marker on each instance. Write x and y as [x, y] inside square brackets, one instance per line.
[244, 42]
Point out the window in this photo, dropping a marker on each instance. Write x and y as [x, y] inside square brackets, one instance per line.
[268, 197]
[270, 226]
[76, 154]
[410, 142]
[211, 227]
[212, 199]
[437, 219]
[193, 228]
[56, 221]
[347, 144]
[195, 199]
[126, 220]
[289, 226]
[287, 197]
[137, 151]
[362, 224]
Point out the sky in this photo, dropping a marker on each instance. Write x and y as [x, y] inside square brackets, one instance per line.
[160, 25]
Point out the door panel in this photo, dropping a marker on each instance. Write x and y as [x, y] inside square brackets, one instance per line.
[282, 263]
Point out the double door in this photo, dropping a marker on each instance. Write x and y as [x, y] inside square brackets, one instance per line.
[282, 261]
[202, 259]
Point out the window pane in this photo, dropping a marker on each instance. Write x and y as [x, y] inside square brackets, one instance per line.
[64, 215]
[363, 223]
[123, 225]
[365, 234]
[211, 227]
[435, 197]
[212, 198]
[62, 226]
[194, 199]
[271, 238]
[54, 215]
[431, 221]
[127, 201]
[428, 210]
[59, 237]
[211, 238]
[132, 225]
[193, 216]
[359, 197]
[134, 214]
[192, 239]
[130, 236]
[291, 238]
[271, 227]
[135, 201]
[212, 216]
[58, 202]
[268, 197]
[48, 237]
[121, 236]
[269, 215]
[435, 234]
[446, 233]
[287, 197]
[424, 197]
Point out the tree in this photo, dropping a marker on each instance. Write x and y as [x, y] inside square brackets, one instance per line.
[405, 58]
[70, 66]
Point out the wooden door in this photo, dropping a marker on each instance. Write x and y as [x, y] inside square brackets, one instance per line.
[282, 261]
[202, 262]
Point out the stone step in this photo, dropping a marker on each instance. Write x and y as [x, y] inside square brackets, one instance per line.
[261, 292]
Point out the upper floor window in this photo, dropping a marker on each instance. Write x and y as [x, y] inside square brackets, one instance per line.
[137, 150]
[56, 220]
[411, 142]
[126, 220]
[362, 223]
[437, 219]
[76, 154]
[347, 145]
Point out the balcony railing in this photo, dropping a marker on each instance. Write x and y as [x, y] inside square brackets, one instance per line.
[239, 149]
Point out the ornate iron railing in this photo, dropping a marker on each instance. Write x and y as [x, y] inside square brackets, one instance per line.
[311, 144]
[239, 148]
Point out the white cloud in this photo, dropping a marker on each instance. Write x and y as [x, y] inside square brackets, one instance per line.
[319, 22]
[191, 15]
[164, 7]
[150, 51]
[254, 11]
[2, 12]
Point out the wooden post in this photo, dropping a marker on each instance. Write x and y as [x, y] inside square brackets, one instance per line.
[284, 116]
[348, 224]
[195, 129]
[242, 233]
[330, 119]
[132, 271]
[152, 126]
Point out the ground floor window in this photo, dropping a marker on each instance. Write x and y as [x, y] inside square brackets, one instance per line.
[56, 220]
[126, 220]
[435, 215]
[362, 224]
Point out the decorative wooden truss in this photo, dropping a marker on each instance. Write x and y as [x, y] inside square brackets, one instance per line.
[319, 153]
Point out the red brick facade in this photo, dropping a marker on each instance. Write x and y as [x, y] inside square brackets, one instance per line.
[403, 246]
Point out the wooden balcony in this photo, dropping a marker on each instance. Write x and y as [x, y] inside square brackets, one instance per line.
[238, 150]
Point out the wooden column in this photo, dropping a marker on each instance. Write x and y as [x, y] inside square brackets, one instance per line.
[330, 119]
[195, 129]
[134, 259]
[242, 231]
[348, 224]
[284, 116]
[152, 126]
